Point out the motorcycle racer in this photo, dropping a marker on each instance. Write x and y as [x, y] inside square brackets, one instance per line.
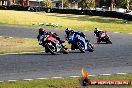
[78, 40]
[42, 33]
[102, 36]
[69, 31]
[97, 32]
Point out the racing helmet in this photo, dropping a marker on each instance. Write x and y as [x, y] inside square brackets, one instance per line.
[41, 30]
[96, 30]
[68, 30]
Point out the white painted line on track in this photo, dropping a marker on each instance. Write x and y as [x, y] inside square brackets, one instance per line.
[121, 73]
[42, 78]
[28, 79]
[10, 37]
[85, 30]
[56, 77]
[74, 76]
[105, 74]
[130, 33]
[60, 77]
[92, 75]
[116, 32]
[12, 80]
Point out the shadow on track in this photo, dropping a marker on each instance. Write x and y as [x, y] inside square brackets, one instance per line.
[101, 43]
[44, 54]
[48, 54]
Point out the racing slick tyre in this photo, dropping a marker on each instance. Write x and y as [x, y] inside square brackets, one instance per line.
[51, 47]
[108, 41]
[81, 47]
[90, 47]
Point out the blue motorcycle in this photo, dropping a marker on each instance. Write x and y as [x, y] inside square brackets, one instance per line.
[79, 42]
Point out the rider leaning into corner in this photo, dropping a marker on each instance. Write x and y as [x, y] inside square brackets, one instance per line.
[69, 31]
[42, 33]
[88, 45]
[97, 32]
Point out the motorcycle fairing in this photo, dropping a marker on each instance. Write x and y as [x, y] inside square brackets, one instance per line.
[73, 37]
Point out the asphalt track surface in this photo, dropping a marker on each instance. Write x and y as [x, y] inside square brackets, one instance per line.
[107, 58]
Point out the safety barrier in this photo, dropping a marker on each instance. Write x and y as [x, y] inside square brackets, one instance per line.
[113, 14]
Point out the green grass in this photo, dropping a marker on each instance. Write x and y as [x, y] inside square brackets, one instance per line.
[83, 22]
[13, 45]
[64, 83]
[17, 45]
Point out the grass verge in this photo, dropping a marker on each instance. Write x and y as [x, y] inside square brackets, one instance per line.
[65, 83]
[84, 22]
[18, 45]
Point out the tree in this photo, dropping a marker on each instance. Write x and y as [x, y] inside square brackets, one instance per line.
[72, 1]
[127, 4]
[120, 3]
[87, 3]
[9, 2]
[112, 4]
[105, 3]
[46, 3]
[2, 2]
[130, 7]
[65, 2]
[90, 3]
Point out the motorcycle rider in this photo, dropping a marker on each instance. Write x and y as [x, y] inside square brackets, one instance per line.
[97, 32]
[69, 31]
[42, 33]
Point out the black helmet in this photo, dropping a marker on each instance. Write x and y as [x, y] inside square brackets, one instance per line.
[96, 29]
[67, 30]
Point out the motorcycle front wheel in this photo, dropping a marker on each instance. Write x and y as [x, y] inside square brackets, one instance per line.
[81, 47]
[108, 41]
[90, 47]
[51, 47]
